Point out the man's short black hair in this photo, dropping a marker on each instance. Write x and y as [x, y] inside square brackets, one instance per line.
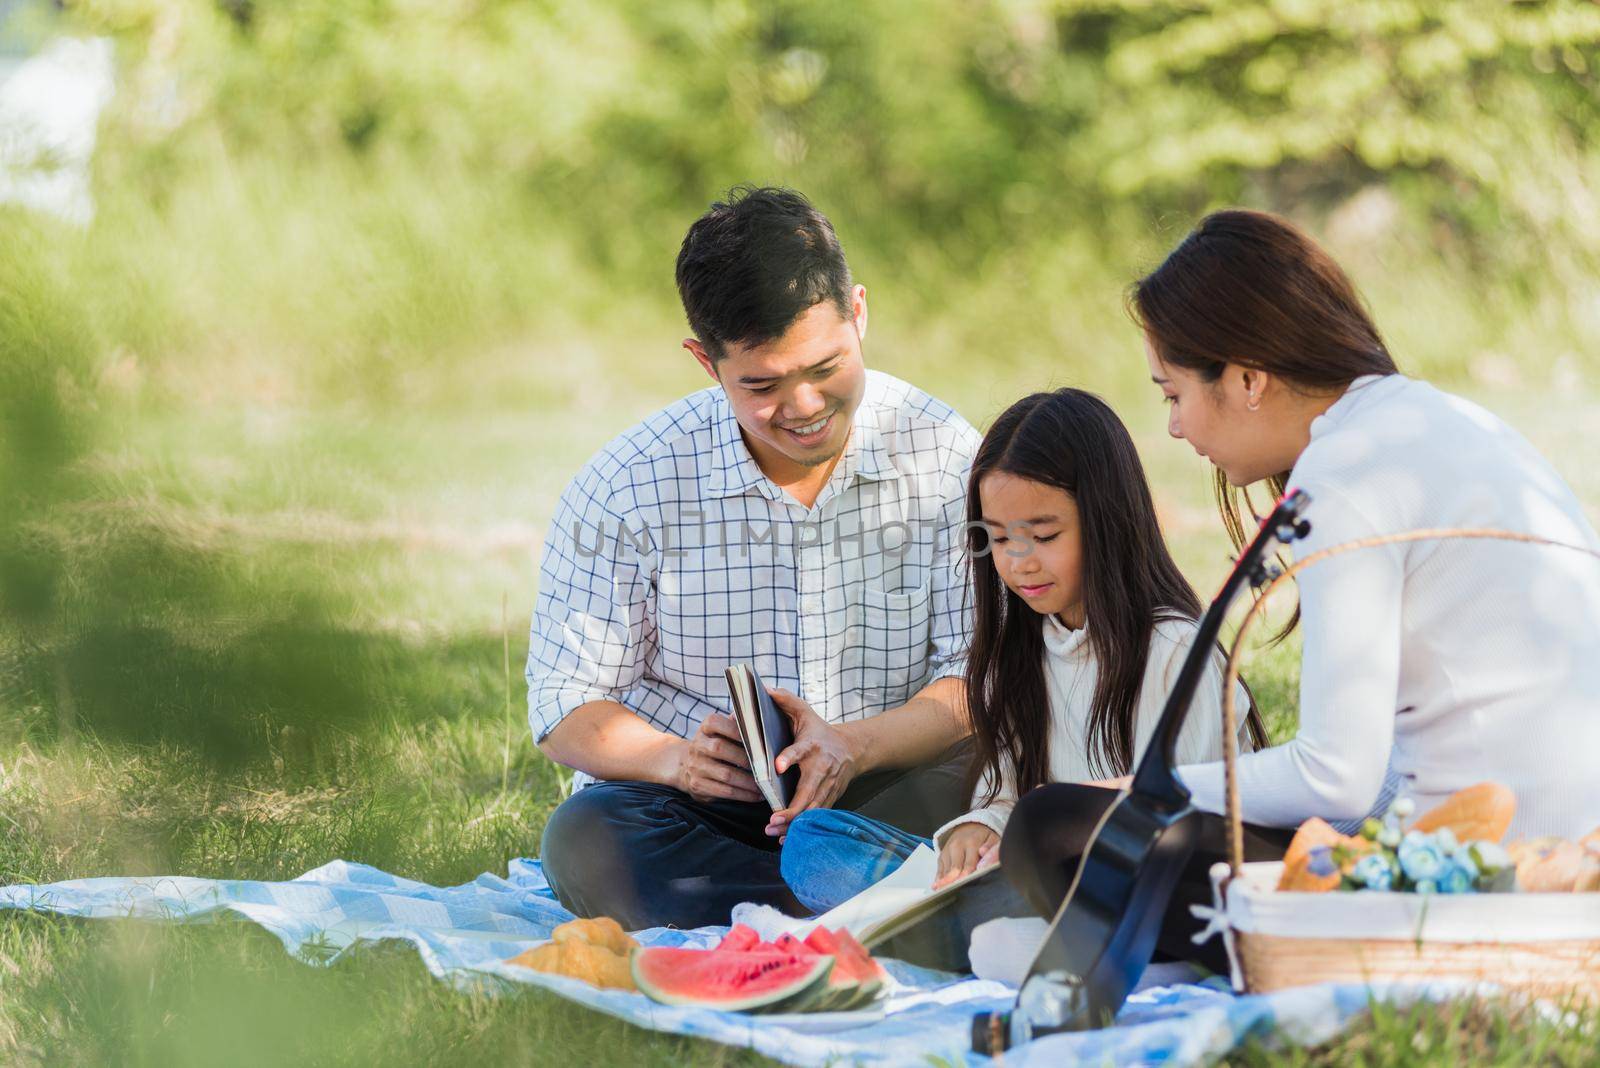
[755, 263]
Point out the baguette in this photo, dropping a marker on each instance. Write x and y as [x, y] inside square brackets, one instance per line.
[1480, 813]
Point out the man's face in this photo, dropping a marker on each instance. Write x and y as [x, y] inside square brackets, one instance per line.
[794, 396]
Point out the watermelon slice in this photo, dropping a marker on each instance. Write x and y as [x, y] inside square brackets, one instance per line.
[857, 979]
[788, 943]
[739, 937]
[729, 980]
[874, 975]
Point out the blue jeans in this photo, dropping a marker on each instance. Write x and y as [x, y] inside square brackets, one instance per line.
[648, 855]
[830, 856]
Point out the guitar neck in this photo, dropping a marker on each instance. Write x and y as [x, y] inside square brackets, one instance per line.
[1156, 775]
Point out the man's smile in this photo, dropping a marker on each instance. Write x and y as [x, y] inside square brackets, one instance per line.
[811, 433]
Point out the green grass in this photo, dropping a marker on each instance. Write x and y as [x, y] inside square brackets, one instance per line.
[280, 641]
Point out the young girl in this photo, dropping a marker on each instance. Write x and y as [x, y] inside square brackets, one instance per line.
[1081, 622]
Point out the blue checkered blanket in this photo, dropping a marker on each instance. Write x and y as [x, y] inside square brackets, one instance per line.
[465, 934]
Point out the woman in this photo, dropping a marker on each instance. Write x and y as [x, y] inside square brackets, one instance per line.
[1427, 666]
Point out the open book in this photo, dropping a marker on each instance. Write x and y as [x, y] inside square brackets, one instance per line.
[765, 731]
[900, 900]
[893, 905]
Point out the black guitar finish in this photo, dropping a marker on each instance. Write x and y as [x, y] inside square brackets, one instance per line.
[1105, 931]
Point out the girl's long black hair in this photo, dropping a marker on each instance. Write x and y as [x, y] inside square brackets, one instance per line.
[1073, 441]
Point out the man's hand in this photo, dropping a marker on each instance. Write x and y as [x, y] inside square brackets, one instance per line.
[712, 765]
[966, 849]
[826, 758]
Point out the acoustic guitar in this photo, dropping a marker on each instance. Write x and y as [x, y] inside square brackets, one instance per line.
[1104, 933]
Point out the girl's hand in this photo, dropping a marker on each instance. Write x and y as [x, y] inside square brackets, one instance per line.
[1121, 782]
[968, 847]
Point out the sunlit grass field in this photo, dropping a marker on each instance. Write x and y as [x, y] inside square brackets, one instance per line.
[372, 565]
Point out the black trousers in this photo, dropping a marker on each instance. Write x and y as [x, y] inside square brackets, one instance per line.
[651, 856]
[1050, 829]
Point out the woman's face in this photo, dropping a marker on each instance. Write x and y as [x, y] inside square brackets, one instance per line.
[1224, 421]
[1035, 543]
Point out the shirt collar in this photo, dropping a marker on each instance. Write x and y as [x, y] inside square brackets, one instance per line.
[1360, 392]
[734, 470]
[1060, 640]
[866, 455]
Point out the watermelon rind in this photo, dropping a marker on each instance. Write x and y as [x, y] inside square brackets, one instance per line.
[805, 976]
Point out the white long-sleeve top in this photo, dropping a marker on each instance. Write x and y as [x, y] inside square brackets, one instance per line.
[1449, 662]
[1071, 673]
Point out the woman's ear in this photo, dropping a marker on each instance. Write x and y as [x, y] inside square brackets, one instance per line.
[1256, 386]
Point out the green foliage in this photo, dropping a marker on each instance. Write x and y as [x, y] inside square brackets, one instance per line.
[368, 279]
[1481, 114]
[373, 185]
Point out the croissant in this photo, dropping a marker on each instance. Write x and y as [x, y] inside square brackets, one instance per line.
[600, 931]
[1555, 865]
[577, 959]
[1312, 835]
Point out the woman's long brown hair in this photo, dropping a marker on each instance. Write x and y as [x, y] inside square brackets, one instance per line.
[1251, 289]
[1073, 441]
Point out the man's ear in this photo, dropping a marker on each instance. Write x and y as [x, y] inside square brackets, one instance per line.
[700, 354]
[858, 311]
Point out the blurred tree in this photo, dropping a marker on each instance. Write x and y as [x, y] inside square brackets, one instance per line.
[947, 130]
[1482, 114]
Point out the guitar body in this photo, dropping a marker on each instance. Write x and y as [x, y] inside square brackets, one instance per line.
[1105, 931]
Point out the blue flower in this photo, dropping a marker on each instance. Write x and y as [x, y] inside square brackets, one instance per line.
[1320, 862]
[1458, 879]
[1374, 871]
[1421, 857]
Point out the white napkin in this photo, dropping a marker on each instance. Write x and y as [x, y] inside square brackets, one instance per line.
[1002, 949]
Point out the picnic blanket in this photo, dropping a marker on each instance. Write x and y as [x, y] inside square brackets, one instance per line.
[465, 934]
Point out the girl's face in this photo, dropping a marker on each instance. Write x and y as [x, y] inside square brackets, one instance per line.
[1229, 421]
[1035, 543]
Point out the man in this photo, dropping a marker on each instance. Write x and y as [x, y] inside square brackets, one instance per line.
[804, 516]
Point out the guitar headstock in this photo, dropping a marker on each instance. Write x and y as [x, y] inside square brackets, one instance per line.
[1283, 526]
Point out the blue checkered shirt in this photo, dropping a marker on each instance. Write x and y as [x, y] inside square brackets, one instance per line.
[671, 556]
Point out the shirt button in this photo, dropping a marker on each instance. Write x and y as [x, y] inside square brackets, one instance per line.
[811, 605]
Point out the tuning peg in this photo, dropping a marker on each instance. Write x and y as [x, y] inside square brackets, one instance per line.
[1264, 573]
[1292, 530]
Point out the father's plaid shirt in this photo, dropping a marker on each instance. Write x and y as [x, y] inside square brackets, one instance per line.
[671, 556]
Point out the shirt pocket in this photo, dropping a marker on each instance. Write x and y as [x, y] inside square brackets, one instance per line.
[886, 650]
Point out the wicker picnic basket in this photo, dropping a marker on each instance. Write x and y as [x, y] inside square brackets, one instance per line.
[1544, 944]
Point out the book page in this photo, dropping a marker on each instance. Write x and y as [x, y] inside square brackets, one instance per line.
[896, 902]
[747, 715]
